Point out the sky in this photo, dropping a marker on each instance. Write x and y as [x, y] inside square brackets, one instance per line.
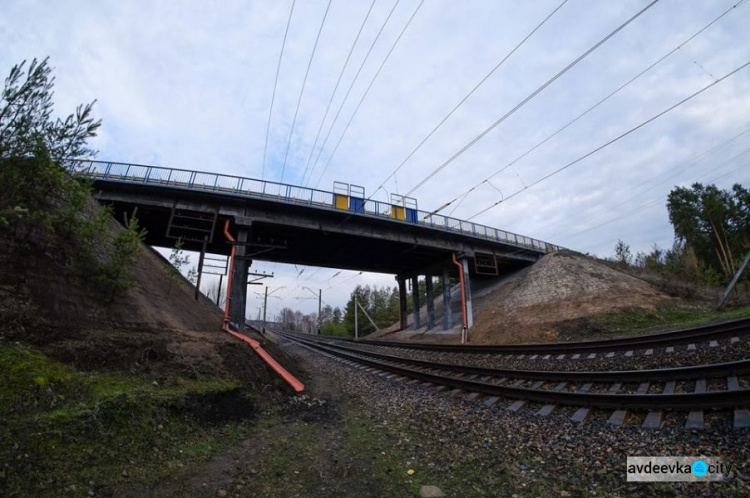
[190, 84]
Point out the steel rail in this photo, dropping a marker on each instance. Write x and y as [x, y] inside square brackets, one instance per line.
[678, 401]
[741, 367]
[696, 334]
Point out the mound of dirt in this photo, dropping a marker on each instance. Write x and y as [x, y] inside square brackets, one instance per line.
[153, 329]
[561, 286]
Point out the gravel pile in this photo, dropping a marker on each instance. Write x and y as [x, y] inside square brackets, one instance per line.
[503, 453]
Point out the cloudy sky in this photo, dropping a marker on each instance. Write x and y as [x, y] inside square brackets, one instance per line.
[190, 84]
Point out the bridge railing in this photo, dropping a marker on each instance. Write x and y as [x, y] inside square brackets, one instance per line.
[281, 192]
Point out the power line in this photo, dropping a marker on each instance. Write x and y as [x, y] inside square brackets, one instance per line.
[527, 99]
[302, 91]
[349, 90]
[587, 111]
[607, 144]
[650, 204]
[356, 109]
[466, 97]
[275, 83]
[336, 87]
[344, 281]
[682, 170]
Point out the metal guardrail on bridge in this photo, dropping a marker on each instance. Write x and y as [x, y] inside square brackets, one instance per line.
[289, 194]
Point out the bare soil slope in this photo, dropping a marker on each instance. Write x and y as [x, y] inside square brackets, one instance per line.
[562, 286]
[153, 329]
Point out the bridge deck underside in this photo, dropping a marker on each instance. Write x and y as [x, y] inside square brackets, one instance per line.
[305, 236]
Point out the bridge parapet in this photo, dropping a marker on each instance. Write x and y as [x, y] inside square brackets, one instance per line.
[291, 194]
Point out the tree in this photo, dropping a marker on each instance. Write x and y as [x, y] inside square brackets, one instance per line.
[30, 144]
[326, 314]
[37, 196]
[177, 260]
[338, 316]
[623, 256]
[26, 122]
[116, 273]
[713, 223]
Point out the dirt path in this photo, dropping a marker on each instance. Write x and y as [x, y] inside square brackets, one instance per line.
[319, 444]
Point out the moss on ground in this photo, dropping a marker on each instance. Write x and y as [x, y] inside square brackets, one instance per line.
[71, 432]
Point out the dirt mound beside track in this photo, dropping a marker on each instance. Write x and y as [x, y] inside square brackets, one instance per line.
[562, 286]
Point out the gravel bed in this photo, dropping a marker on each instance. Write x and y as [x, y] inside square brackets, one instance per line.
[702, 355]
[523, 454]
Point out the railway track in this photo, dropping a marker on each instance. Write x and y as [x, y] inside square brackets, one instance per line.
[711, 334]
[687, 389]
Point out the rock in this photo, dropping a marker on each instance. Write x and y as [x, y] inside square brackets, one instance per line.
[222, 493]
[429, 491]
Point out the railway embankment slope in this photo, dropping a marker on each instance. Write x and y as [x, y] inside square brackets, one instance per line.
[560, 288]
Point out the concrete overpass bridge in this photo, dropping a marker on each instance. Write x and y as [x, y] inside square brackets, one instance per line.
[285, 223]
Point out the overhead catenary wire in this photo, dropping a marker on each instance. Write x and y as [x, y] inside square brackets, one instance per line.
[344, 281]
[641, 192]
[335, 88]
[649, 205]
[302, 91]
[660, 178]
[471, 92]
[367, 91]
[349, 90]
[275, 84]
[610, 142]
[591, 108]
[529, 97]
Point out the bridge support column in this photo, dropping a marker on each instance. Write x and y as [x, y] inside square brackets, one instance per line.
[239, 280]
[402, 312]
[415, 301]
[467, 293]
[447, 311]
[430, 301]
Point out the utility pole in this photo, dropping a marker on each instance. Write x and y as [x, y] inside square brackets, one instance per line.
[200, 267]
[366, 314]
[320, 302]
[265, 303]
[265, 307]
[356, 330]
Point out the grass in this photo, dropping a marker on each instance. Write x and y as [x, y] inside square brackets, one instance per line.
[640, 321]
[72, 432]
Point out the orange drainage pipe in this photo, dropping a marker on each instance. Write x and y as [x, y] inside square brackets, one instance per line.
[465, 328]
[276, 366]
